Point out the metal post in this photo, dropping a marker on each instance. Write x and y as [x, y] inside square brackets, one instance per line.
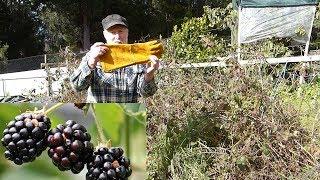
[238, 38]
[3, 88]
[306, 52]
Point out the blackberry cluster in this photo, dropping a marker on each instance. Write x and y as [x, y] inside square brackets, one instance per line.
[108, 164]
[70, 146]
[25, 137]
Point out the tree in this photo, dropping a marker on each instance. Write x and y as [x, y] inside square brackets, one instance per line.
[19, 28]
[3, 57]
[48, 26]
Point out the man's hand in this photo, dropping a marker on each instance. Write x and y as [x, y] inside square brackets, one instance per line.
[96, 50]
[151, 68]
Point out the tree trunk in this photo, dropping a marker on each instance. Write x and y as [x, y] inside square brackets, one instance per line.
[86, 24]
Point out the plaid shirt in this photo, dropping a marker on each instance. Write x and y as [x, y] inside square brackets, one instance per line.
[121, 85]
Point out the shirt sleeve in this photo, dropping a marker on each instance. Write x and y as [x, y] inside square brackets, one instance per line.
[81, 77]
[146, 89]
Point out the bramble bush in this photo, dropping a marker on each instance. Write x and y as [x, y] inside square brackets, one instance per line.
[233, 122]
[237, 123]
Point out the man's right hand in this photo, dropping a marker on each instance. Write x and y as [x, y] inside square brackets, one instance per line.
[96, 50]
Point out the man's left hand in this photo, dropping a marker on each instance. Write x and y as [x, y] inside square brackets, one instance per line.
[151, 68]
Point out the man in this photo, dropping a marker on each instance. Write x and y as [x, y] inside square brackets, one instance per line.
[121, 85]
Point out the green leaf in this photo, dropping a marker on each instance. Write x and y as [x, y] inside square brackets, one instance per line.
[137, 141]
[55, 120]
[111, 117]
[131, 107]
[138, 121]
[22, 173]
[3, 164]
[137, 115]
[7, 113]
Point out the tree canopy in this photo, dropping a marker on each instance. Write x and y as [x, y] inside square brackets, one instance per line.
[33, 27]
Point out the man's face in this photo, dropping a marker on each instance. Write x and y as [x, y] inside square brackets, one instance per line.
[116, 34]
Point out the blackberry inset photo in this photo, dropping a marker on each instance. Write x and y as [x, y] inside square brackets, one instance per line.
[92, 142]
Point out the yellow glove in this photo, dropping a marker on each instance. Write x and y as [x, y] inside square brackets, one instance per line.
[155, 48]
[122, 55]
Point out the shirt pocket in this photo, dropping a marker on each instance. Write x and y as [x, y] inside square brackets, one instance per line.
[103, 78]
[132, 79]
[132, 74]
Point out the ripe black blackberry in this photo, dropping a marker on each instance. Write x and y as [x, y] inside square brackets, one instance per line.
[108, 164]
[25, 137]
[70, 146]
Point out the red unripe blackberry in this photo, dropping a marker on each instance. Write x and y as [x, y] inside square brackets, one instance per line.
[25, 137]
[108, 164]
[69, 146]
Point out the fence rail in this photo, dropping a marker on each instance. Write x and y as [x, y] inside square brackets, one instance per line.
[12, 82]
[32, 62]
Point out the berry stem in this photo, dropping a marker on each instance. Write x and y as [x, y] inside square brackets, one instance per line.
[127, 134]
[102, 138]
[54, 107]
